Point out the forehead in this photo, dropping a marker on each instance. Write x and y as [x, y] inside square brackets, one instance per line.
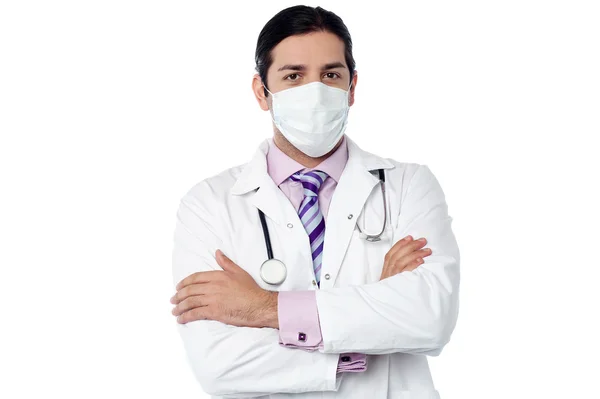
[314, 48]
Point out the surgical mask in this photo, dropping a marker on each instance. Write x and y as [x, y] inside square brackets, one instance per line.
[313, 117]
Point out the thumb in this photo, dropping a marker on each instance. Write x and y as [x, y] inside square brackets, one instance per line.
[223, 261]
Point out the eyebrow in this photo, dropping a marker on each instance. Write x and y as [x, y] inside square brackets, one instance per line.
[299, 67]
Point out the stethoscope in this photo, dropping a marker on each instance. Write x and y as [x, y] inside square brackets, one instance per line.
[273, 271]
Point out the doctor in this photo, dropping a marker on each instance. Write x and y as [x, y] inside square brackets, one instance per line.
[316, 269]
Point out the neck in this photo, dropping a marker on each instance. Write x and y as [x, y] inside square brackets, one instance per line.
[288, 149]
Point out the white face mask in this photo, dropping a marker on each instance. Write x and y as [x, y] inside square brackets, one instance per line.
[313, 117]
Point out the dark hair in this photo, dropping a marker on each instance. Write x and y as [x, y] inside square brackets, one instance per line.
[298, 20]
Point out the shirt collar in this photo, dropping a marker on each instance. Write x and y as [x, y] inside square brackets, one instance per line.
[280, 166]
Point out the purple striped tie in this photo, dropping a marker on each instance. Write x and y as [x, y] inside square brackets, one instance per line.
[311, 215]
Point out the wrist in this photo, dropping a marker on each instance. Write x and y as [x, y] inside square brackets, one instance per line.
[270, 310]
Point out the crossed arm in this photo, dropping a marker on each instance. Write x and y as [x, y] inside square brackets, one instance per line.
[413, 312]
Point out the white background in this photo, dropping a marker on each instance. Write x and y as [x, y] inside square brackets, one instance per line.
[110, 111]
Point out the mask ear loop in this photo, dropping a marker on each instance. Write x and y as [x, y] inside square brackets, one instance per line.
[263, 85]
[270, 108]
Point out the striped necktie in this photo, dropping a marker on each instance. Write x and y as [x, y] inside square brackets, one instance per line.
[311, 215]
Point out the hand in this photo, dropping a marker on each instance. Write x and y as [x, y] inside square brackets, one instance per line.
[404, 256]
[230, 296]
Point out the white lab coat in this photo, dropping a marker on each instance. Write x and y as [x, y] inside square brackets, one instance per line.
[396, 322]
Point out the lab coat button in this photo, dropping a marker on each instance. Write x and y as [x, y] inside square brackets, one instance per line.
[327, 276]
[350, 216]
[290, 225]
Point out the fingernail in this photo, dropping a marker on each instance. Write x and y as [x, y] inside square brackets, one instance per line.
[408, 238]
[421, 239]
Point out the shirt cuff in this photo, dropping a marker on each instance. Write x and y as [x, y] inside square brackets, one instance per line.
[352, 363]
[299, 320]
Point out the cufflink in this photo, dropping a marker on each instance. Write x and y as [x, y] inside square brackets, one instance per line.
[346, 358]
[302, 337]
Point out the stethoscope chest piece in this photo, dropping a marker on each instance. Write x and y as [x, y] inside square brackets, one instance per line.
[273, 271]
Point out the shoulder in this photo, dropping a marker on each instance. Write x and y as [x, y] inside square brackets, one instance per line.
[398, 172]
[413, 179]
[406, 173]
[213, 190]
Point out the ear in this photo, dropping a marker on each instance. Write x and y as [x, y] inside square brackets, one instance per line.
[259, 92]
[351, 94]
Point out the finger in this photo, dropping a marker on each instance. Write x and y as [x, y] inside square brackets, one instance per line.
[198, 278]
[189, 303]
[412, 257]
[201, 313]
[226, 263]
[193, 289]
[403, 243]
[413, 265]
[395, 248]
[407, 249]
[185, 292]
[399, 265]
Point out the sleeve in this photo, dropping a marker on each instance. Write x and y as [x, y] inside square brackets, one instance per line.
[412, 312]
[352, 363]
[299, 320]
[299, 328]
[231, 361]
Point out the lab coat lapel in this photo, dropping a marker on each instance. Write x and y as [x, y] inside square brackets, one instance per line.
[254, 181]
[352, 191]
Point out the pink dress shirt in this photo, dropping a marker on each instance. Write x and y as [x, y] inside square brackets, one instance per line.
[298, 315]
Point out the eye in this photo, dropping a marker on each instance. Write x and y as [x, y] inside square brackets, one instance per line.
[332, 75]
[293, 76]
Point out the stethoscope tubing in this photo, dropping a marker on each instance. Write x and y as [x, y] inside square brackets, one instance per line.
[377, 237]
[265, 229]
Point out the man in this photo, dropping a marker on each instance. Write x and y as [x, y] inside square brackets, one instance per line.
[344, 317]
